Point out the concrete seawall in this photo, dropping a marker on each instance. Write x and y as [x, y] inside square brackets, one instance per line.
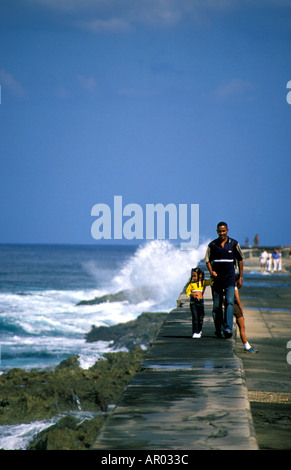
[187, 394]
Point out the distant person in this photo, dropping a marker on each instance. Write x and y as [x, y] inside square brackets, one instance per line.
[195, 290]
[246, 242]
[256, 240]
[280, 261]
[240, 321]
[269, 261]
[221, 256]
[276, 259]
[263, 259]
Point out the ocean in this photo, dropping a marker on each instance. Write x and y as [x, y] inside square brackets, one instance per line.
[41, 285]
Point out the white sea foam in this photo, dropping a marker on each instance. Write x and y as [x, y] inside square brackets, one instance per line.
[158, 270]
[18, 436]
[48, 323]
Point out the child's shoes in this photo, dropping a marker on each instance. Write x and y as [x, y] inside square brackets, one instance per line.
[197, 335]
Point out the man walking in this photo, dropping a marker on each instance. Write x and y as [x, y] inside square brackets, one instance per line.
[221, 256]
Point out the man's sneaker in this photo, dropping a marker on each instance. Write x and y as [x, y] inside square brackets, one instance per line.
[227, 334]
[197, 335]
[251, 350]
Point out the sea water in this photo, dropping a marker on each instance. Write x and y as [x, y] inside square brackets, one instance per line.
[41, 285]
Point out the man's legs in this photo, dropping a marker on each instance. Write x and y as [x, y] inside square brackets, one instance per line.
[217, 296]
[228, 313]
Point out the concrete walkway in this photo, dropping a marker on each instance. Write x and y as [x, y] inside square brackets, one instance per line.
[187, 394]
[268, 374]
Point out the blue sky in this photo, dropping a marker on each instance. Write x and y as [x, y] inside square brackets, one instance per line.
[159, 101]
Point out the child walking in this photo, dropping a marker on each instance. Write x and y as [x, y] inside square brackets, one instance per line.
[195, 290]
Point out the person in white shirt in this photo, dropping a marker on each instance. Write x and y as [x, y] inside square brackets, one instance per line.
[263, 260]
[269, 261]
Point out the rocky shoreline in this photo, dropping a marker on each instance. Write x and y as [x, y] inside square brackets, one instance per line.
[42, 394]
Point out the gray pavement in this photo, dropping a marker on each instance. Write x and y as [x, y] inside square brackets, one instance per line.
[268, 373]
[187, 394]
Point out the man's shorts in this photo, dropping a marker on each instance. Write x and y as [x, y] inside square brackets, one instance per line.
[237, 311]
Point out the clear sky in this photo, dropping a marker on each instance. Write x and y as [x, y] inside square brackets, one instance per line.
[159, 101]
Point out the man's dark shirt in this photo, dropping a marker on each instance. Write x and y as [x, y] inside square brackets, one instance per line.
[222, 260]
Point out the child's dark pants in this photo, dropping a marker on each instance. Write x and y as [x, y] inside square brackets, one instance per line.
[197, 310]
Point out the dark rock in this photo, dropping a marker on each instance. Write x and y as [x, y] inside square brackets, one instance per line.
[140, 331]
[68, 434]
[72, 361]
[38, 395]
[118, 297]
[131, 295]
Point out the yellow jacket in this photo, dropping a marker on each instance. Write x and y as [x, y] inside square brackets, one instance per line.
[198, 286]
